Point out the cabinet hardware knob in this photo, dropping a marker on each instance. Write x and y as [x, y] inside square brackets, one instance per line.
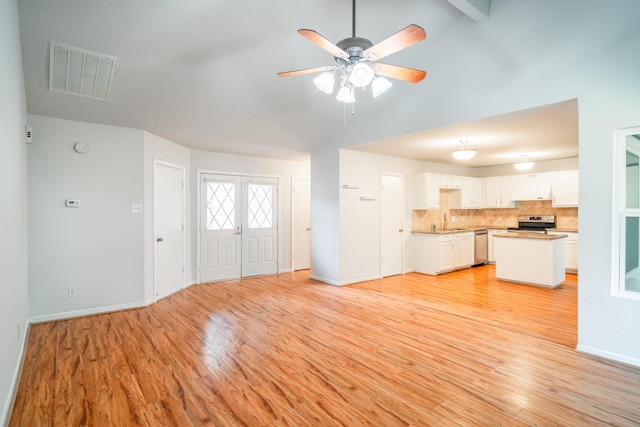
[159, 239]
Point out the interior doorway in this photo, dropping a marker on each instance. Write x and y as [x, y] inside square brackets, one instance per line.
[238, 226]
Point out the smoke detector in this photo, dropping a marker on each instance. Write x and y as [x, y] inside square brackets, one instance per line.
[80, 72]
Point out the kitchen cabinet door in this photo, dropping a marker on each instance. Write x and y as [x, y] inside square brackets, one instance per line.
[450, 182]
[471, 194]
[565, 189]
[445, 255]
[463, 246]
[505, 187]
[492, 192]
[490, 252]
[426, 191]
[570, 251]
[468, 251]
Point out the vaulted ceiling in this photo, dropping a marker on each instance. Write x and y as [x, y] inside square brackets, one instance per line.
[203, 73]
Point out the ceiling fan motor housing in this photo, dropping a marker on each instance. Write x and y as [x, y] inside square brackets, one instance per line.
[354, 46]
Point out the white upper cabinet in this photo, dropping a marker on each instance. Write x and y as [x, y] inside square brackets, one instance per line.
[450, 182]
[534, 186]
[565, 189]
[426, 191]
[471, 193]
[498, 190]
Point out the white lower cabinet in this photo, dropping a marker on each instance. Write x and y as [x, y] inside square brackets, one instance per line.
[441, 253]
[463, 250]
[490, 253]
[570, 251]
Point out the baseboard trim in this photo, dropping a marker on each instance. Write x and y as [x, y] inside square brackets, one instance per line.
[343, 283]
[608, 355]
[13, 392]
[87, 312]
[324, 280]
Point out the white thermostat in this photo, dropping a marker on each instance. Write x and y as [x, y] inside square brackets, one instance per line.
[81, 147]
[72, 203]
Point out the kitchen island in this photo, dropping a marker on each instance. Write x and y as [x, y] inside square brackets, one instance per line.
[529, 257]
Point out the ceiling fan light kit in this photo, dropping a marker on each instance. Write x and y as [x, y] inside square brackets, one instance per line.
[324, 82]
[346, 95]
[464, 152]
[355, 57]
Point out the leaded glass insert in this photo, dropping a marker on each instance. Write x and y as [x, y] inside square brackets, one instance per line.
[260, 209]
[221, 206]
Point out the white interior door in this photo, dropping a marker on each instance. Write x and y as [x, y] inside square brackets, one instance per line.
[259, 226]
[391, 224]
[220, 227]
[168, 195]
[301, 224]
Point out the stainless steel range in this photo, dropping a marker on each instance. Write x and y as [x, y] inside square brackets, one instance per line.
[535, 223]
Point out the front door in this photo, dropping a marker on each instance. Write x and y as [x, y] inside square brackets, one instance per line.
[220, 227]
[391, 224]
[238, 227]
[168, 194]
[259, 226]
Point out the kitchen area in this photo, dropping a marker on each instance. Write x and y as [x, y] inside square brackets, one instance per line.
[526, 224]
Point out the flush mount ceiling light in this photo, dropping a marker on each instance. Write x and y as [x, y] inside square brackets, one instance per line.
[464, 152]
[524, 163]
[356, 58]
[80, 72]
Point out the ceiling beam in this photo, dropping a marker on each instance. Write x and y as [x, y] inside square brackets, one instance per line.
[478, 10]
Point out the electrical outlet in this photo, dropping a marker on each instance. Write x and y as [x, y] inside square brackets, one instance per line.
[71, 292]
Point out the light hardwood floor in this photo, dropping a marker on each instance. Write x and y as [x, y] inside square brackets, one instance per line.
[416, 350]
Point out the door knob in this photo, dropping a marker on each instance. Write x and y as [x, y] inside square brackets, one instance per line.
[401, 230]
[159, 239]
[238, 230]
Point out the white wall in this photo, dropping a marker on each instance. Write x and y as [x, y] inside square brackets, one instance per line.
[202, 161]
[529, 54]
[97, 248]
[13, 213]
[156, 148]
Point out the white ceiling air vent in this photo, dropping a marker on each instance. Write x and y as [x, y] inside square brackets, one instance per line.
[80, 72]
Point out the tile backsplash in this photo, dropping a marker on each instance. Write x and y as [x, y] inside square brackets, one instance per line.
[423, 220]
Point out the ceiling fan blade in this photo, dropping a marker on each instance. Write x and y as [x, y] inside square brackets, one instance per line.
[399, 73]
[307, 71]
[324, 43]
[400, 40]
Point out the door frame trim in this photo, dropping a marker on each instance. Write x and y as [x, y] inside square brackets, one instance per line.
[182, 168]
[199, 173]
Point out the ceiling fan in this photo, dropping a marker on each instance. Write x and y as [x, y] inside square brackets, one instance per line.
[356, 59]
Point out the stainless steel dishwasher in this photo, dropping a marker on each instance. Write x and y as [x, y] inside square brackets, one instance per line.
[481, 245]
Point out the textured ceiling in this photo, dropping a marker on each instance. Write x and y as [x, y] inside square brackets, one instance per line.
[202, 73]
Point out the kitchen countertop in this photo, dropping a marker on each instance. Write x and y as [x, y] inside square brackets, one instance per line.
[530, 235]
[491, 227]
[449, 230]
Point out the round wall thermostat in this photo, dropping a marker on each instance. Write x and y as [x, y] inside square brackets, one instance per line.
[81, 147]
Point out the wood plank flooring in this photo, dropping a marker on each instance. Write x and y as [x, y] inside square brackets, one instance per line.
[410, 350]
